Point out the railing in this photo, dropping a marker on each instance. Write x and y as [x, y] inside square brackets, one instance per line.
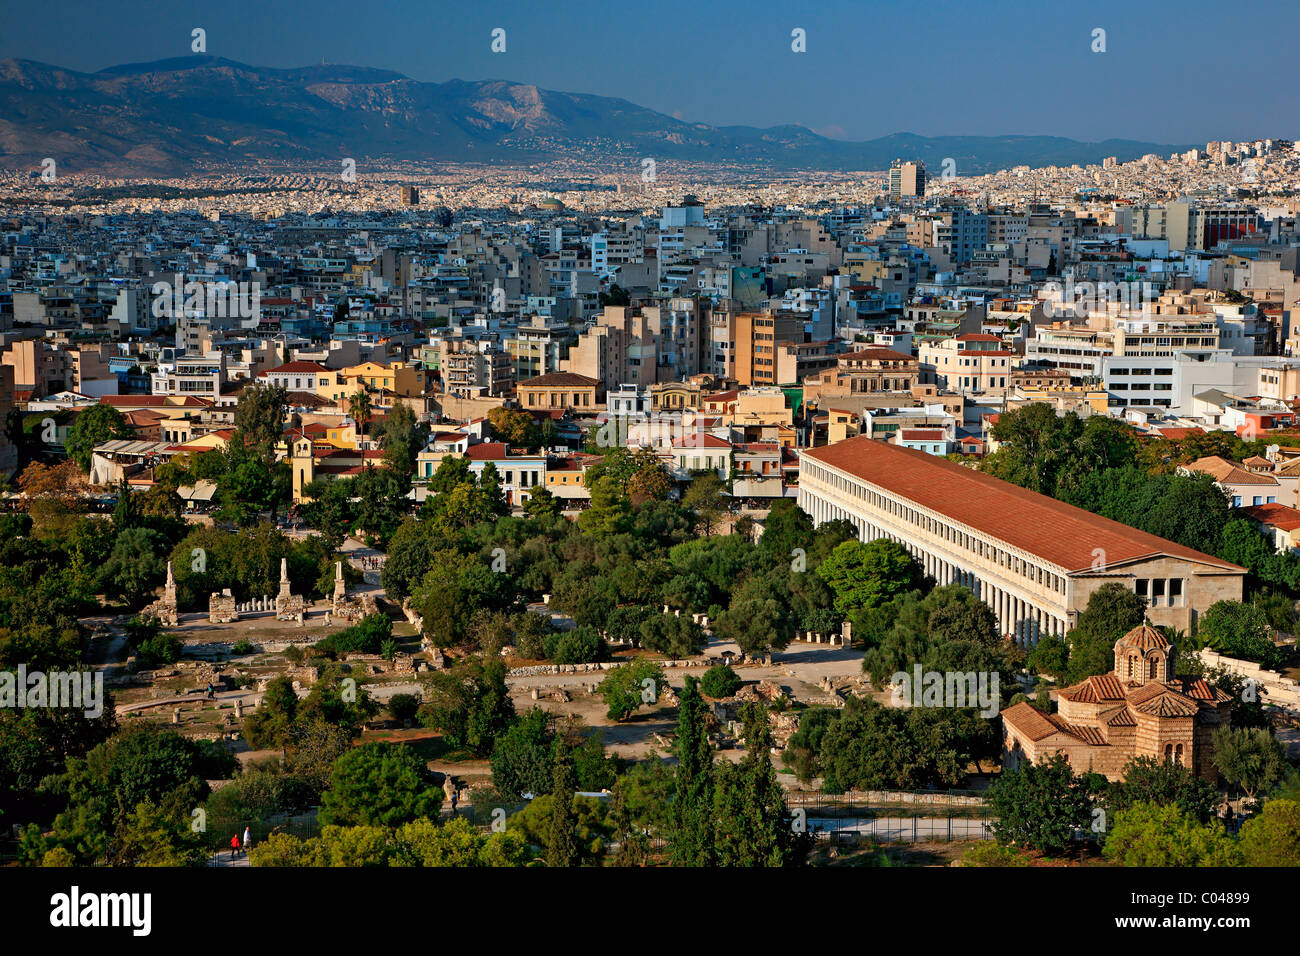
[914, 829]
[219, 830]
[882, 799]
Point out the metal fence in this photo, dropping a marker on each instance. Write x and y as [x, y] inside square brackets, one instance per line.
[868, 799]
[896, 829]
[218, 831]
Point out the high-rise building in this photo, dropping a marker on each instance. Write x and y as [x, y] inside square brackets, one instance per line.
[906, 179]
[757, 335]
[410, 195]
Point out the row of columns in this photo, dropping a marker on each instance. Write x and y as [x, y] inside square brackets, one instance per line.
[1018, 618]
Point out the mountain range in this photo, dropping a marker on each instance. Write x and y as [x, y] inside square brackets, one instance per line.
[168, 117]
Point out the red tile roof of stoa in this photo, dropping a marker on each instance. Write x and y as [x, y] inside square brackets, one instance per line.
[1060, 534]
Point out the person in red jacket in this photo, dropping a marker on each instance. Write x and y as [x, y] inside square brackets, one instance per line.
[234, 846]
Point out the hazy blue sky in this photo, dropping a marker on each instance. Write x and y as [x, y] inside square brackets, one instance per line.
[1172, 72]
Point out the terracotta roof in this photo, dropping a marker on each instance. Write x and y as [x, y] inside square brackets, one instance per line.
[1123, 717]
[701, 440]
[1199, 689]
[1035, 725]
[143, 417]
[920, 434]
[1275, 515]
[1170, 703]
[153, 401]
[878, 354]
[1095, 690]
[307, 398]
[1143, 638]
[1089, 735]
[291, 367]
[1222, 470]
[487, 451]
[1054, 531]
[1178, 434]
[562, 379]
[1030, 721]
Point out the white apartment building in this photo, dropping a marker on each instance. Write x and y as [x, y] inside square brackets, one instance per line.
[970, 364]
[200, 375]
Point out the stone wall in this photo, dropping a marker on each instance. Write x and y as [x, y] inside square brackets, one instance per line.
[1281, 691]
[538, 670]
[221, 607]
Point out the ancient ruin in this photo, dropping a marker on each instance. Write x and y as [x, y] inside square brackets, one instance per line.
[222, 608]
[349, 609]
[288, 606]
[164, 609]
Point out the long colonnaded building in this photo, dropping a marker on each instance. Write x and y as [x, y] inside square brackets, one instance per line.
[1034, 560]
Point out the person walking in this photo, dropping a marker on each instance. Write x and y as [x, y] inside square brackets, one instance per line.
[248, 840]
[234, 847]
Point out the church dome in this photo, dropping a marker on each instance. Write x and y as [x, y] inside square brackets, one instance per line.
[1143, 638]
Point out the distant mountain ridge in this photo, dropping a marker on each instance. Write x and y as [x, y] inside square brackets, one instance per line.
[166, 117]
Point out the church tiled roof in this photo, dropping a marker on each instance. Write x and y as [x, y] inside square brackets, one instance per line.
[1123, 717]
[1095, 689]
[1036, 725]
[1161, 700]
[1143, 638]
[1030, 721]
[1199, 688]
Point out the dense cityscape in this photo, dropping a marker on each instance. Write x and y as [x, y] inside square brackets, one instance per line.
[611, 511]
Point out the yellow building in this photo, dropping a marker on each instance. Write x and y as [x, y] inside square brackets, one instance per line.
[398, 378]
[558, 390]
[841, 425]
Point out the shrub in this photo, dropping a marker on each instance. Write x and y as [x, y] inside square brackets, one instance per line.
[158, 650]
[720, 681]
[530, 643]
[582, 645]
[368, 637]
[403, 707]
[246, 647]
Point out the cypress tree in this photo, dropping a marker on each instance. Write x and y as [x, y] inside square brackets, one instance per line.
[633, 848]
[561, 843]
[693, 810]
